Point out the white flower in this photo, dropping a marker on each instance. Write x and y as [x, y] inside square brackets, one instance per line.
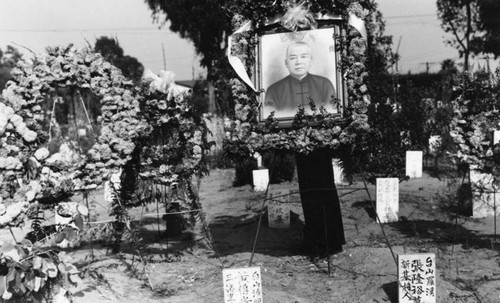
[29, 136]
[41, 153]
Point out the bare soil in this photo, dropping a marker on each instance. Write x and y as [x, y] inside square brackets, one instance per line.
[185, 270]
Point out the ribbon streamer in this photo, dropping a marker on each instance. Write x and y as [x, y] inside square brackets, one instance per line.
[240, 69]
[358, 24]
[235, 62]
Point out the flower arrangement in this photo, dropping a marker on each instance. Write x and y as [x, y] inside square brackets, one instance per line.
[476, 117]
[321, 129]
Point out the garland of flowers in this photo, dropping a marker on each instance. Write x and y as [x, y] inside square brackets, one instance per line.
[476, 117]
[244, 135]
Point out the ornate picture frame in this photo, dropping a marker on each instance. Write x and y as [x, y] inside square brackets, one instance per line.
[296, 67]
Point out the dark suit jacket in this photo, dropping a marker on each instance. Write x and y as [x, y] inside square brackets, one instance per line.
[289, 92]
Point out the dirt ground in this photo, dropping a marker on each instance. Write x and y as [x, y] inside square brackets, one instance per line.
[184, 271]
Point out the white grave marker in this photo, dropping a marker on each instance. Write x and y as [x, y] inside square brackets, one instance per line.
[417, 278]
[260, 179]
[485, 196]
[278, 208]
[82, 132]
[242, 285]
[496, 136]
[387, 199]
[414, 162]
[338, 172]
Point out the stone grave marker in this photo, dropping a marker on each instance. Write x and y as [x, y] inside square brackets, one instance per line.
[260, 179]
[278, 208]
[242, 285]
[417, 278]
[496, 136]
[387, 199]
[414, 163]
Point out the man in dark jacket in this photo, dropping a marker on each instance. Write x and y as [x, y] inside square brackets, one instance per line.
[299, 87]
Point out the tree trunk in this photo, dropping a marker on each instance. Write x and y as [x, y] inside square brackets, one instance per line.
[323, 230]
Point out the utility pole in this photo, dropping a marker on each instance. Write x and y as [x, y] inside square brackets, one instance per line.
[427, 65]
[164, 59]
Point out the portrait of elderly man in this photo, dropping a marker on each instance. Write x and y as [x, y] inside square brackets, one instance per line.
[300, 86]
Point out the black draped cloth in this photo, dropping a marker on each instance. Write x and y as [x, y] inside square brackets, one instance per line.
[320, 202]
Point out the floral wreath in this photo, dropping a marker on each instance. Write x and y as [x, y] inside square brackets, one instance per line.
[28, 173]
[244, 135]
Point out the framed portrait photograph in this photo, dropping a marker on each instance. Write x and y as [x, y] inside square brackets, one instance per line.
[295, 68]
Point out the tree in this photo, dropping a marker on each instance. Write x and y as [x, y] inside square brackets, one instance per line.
[111, 50]
[8, 61]
[460, 18]
[489, 10]
[204, 22]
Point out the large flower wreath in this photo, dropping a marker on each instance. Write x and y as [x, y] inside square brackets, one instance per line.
[244, 135]
[29, 173]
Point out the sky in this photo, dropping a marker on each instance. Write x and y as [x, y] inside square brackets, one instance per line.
[36, 24]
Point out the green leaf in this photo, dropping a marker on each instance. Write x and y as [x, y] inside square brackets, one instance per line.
[78, 221]
[60, 237]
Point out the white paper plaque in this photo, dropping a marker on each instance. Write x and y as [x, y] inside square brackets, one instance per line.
[417, 278]
[414, 162]
[242, 285]
[387, 199]
[260, 179]
[278, 208]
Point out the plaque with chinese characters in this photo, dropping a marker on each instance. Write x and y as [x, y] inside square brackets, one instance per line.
[417, 278]
[387, 199]
[260, 179]
[278, 208]
[242, 285]
[414, 163]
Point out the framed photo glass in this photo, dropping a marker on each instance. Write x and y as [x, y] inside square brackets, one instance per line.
[295, 68]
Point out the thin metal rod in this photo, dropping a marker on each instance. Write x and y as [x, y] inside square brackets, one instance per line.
[258, 225]
[376, 215]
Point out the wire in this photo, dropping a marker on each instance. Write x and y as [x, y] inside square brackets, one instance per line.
[55, 30]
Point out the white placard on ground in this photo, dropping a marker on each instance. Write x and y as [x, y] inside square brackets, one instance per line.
[278, 208]
[414, 162]
[496, 136]
[485, 198]
[338, 173]
[387, 199]
[434, 144]
[417, 278]
[260, 179]
[242, 285]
